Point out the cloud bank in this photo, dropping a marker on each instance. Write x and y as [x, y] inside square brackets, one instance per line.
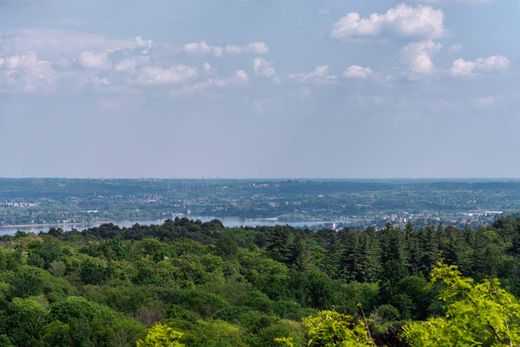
[492, 64]
[41, 59]
[421, 22]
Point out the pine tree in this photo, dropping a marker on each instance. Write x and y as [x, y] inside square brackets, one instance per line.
[370, 254]
[429, 249]
[351, 260]
[485, 253]
[412, 249]
[300, 257]
[457, 250]
[333, 249]
[392, 245]
[278, 244]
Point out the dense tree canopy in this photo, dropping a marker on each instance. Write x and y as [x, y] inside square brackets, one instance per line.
[199, 284]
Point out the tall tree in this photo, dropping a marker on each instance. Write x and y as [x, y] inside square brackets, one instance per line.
[429, 249]
[300, 257]
[413, 252]
[279, 243]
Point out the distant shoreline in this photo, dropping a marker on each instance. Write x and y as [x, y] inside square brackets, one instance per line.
[227, 221]
[48, 225]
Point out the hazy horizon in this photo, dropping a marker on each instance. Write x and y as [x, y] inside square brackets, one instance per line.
[269, 178]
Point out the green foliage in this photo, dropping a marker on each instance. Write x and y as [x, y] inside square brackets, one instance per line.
[29, 281]
[330, 328]
[288, 309]
[279, 243]
[5, 341]
[350, 295]
[231, 313]
[161, 335]
[318, 290]
[413, 297]
[387, 313]
[43, 252]
[255, 321]
[26, 318]
[284, 341]
[203, 303]
[57, 333]
[259, 301]
[255, 286]
[25, 282]
[8, 260]
[290, 329]
[476, 314]
[360, 260]
[93, 271]
[91, 323]
[217, 333]
[227, 247]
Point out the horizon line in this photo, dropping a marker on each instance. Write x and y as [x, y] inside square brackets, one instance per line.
[258, 178]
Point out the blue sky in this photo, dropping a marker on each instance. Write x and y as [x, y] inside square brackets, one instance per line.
[259, 88]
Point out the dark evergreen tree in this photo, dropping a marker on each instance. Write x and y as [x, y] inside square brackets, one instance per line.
[370, 255]
[279, 243]
[350, 263]
[333, 255]
[300, 257]
[429, 249]
[457, 251]
[413, 252]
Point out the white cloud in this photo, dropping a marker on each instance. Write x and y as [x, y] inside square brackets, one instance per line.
[203, 48]
[461, 1]
[126, 65]
[239, 77]
[145, 45]
[54, 44]
[460, 67]
[259, 48]
[421, 22]
[198, 48]
[92, 60]
[37, 58]
[26, 72]
[417, 57]
[492, 64]
[233, 49]
[357, 72]
[263, 67]
[73, 58]
[319, 73]
[208, 68]
[157, 76]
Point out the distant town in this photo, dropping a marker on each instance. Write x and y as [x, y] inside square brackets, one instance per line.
[312, 203]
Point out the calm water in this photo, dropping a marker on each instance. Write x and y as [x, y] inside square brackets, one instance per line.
[227, 221]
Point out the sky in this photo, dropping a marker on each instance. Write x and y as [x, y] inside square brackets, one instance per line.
[259, 88]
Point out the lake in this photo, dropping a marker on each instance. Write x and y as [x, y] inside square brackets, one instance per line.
[227, 221]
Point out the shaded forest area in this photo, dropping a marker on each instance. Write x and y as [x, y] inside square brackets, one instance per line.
[199, 284]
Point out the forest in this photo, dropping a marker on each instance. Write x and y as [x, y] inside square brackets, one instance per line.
[189, 283]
